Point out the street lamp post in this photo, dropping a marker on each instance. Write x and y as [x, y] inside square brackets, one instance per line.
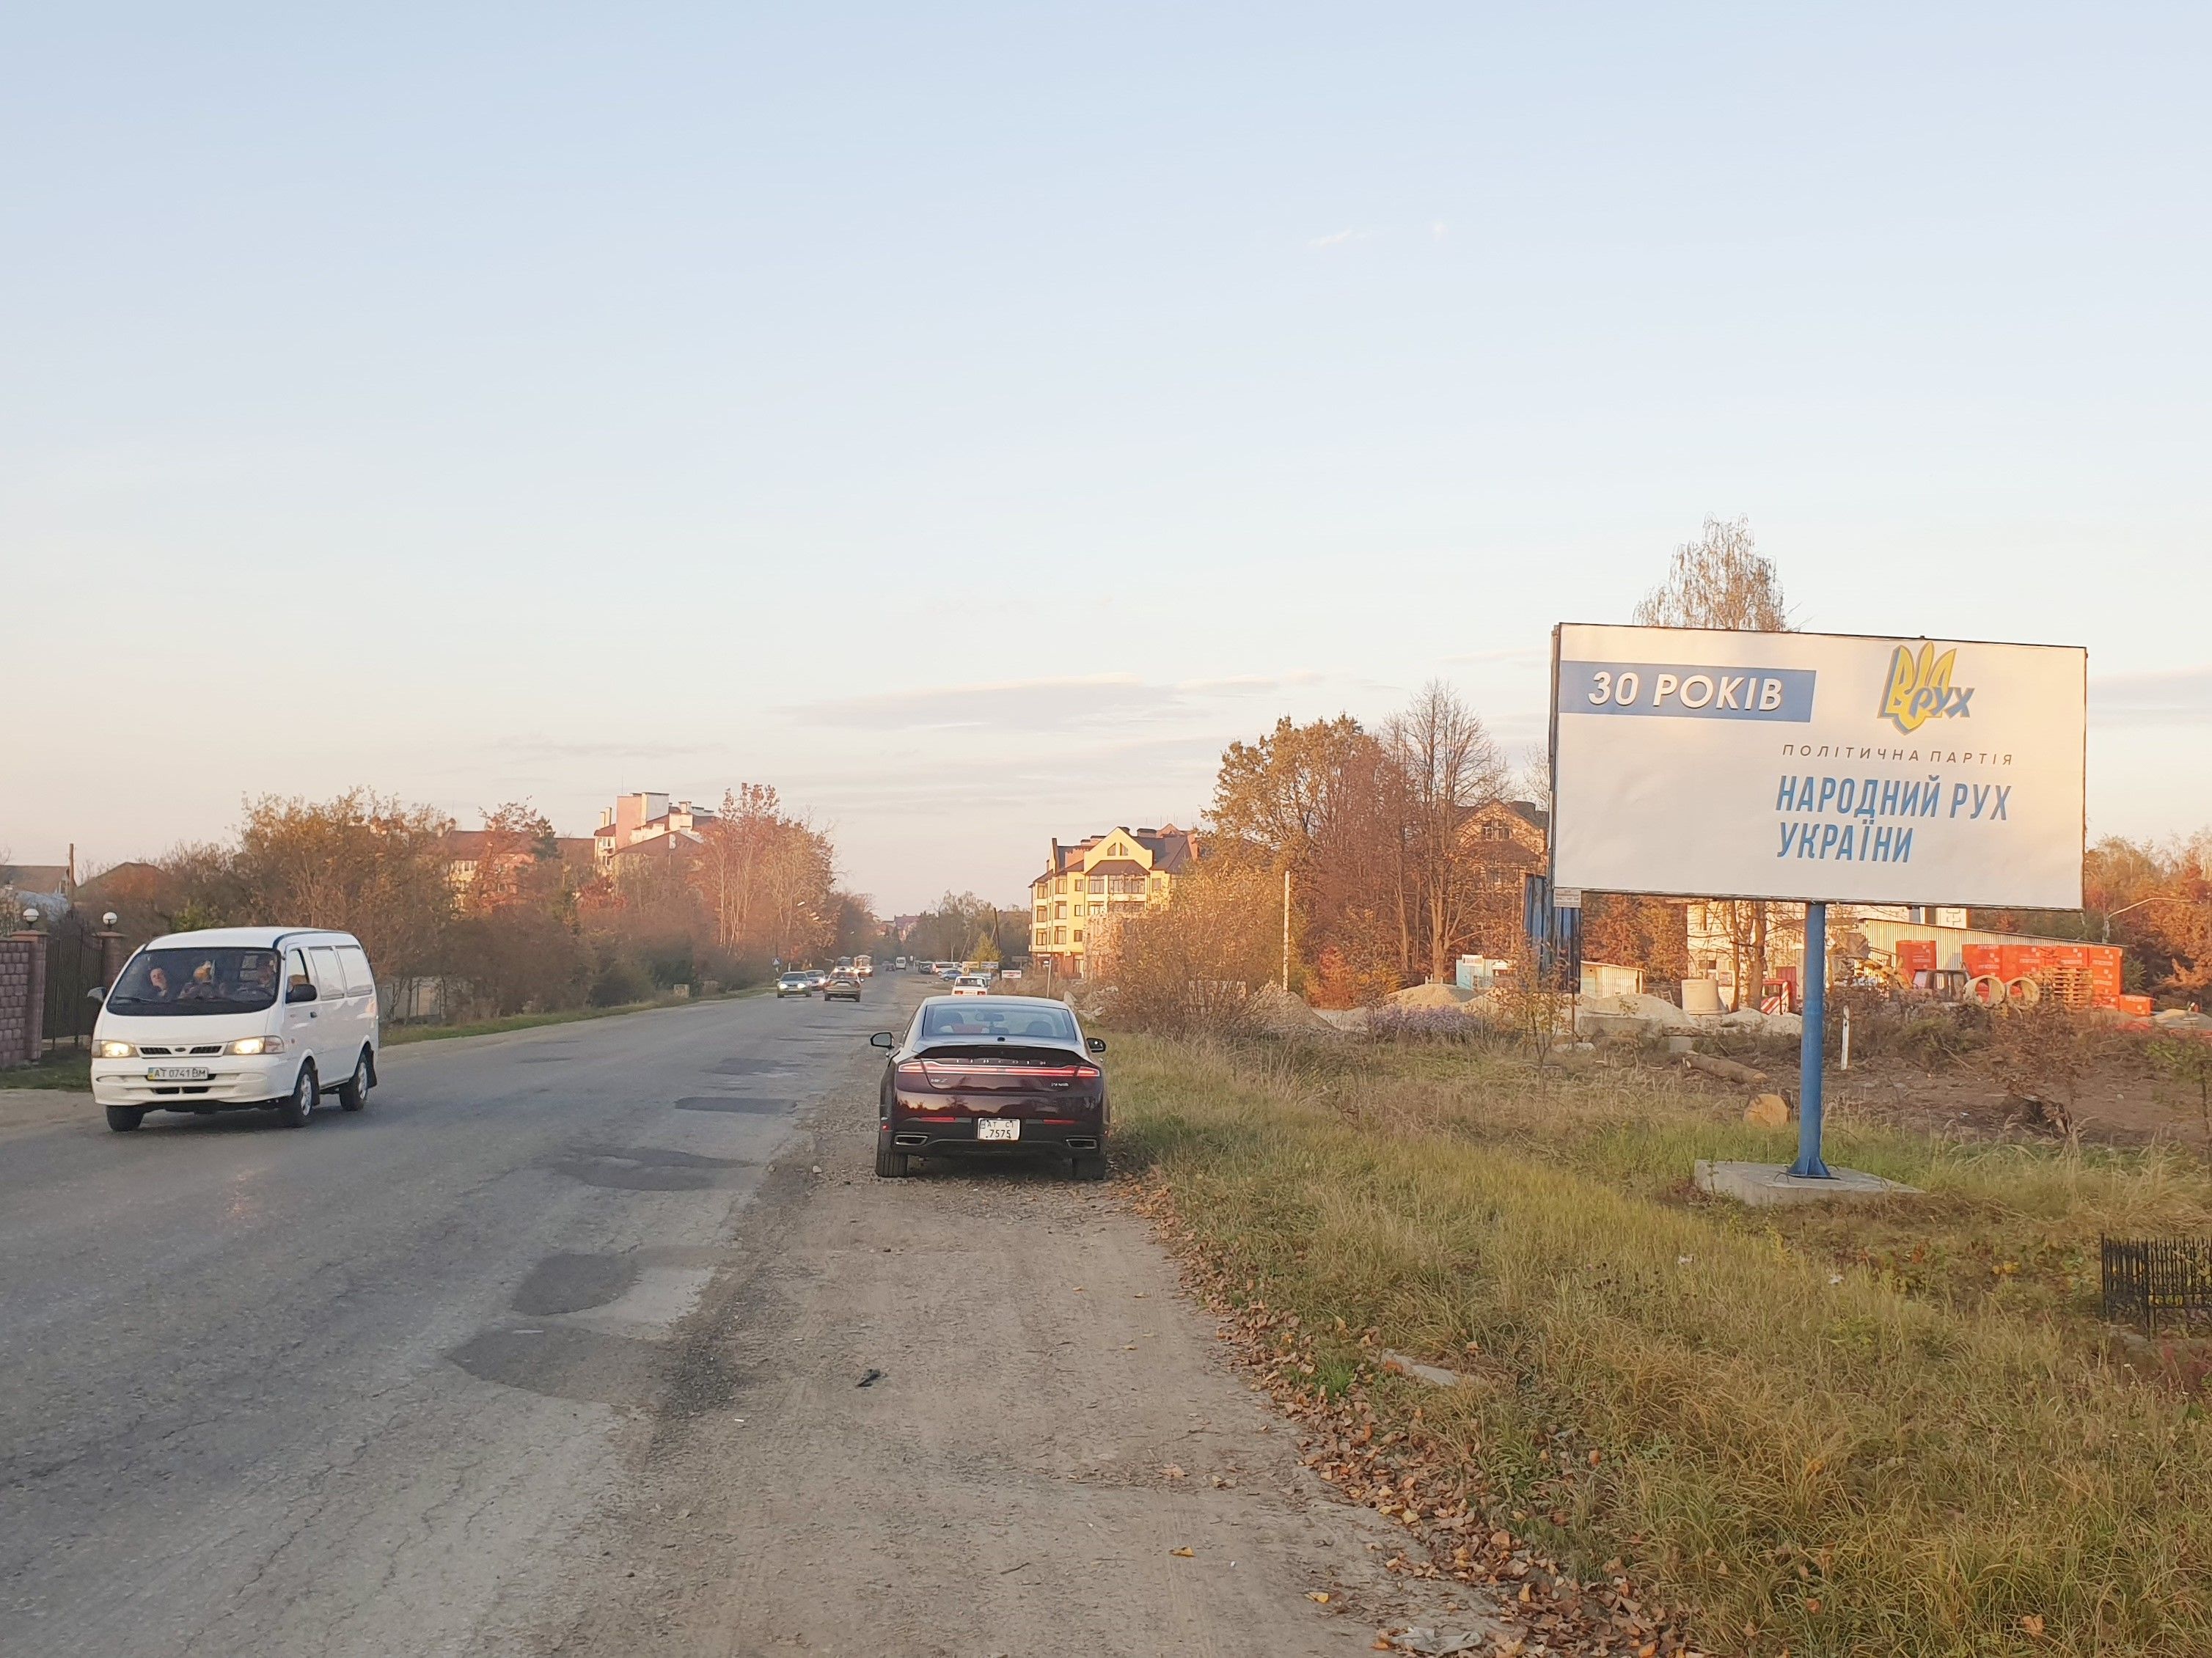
[2155, 898]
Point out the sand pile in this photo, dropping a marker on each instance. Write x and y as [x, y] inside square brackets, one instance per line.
[1431, 996]
[1279, 1014]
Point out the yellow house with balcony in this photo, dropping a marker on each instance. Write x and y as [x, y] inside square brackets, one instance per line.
[1087, 883]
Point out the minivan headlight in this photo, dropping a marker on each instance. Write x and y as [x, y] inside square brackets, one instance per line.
[257, 1045]
[113, 1051]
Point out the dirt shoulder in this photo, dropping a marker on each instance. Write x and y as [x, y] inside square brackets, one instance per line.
[45, 1108]
[1052, 1424]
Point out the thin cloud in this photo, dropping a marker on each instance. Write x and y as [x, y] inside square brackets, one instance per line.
[1339, 237]
[2173, 697]
[1102, 700]
[1519, 656]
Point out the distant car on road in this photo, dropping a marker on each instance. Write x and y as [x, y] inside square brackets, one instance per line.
[948, 973]
[982, 1077]
[842, 985]
[234, 1019]
[971, 984]
[816, 978]
[794, 984]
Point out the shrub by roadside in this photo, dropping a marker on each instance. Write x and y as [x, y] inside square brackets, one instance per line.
[1783, 1446]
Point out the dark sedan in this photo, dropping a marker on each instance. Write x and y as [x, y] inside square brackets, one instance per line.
[985, 1076]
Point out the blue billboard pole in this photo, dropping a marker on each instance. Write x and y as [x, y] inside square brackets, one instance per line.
[1810, 1046]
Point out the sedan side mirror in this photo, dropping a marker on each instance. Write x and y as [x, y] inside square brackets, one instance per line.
[883, 1039]
[95, 994]
[1095, 1044]
[300, 993]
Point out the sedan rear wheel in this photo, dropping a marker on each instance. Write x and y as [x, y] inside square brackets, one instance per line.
[889, 1164]
[1092, 1165]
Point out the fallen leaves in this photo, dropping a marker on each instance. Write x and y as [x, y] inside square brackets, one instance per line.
[2031, 1625]
[1183, 1554]
[1441, 1497]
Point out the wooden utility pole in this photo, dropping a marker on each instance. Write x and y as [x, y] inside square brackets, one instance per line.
[1287, 933]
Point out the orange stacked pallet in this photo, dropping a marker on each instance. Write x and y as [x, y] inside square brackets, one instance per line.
[2082, 976]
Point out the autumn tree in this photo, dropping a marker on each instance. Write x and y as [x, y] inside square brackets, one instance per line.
[1721, 580]
[1193, 961]
[1326, 803]
[1447, 765]
[1718, 581]
[367, 864]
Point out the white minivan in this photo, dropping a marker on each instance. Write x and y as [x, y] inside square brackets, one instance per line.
[237, 1017]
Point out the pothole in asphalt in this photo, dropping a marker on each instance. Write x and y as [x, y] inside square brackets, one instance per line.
[742, 1065]
[563, 1363]
[645, 1169]
[572, 1284]
[730, 1102]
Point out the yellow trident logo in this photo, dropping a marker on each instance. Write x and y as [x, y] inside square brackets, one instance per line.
[1920, 687]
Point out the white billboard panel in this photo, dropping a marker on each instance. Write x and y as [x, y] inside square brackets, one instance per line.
[1703, 763]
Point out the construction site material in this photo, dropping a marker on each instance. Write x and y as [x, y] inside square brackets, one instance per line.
[1431, 995]
[1701, 996]
[2081, 975]
[1280, 1014]
[1767, 1111]
[1771, 1185]
[1726, 1070]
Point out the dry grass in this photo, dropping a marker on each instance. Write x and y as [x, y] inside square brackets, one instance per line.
[1816, 1440]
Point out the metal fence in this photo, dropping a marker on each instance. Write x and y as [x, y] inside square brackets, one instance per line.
[2148, 1282]
[73, 967]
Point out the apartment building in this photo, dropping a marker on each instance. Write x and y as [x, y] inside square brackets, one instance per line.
[636, 819]
[1086, 882]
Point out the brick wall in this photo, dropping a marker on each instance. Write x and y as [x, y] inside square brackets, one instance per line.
[23, 998]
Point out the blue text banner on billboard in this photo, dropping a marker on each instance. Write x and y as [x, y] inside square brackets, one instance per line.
[1830, 767]
[1687, 691]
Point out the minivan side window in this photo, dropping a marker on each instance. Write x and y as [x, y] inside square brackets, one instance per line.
[330, 983]
[356, 962]
[297, 973]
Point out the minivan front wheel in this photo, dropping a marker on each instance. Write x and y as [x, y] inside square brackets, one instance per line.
[294, 1110]
[353, 1093]
[124, 1118]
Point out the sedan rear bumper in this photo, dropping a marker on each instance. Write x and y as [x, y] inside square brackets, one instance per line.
[936, 1140]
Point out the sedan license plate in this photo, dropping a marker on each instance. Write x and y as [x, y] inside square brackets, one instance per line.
[998, 1128]
[177, 1073]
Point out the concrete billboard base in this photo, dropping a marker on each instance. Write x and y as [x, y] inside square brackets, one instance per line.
[1769, 1185]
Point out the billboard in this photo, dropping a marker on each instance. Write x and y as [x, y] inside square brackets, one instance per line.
[1701, 763]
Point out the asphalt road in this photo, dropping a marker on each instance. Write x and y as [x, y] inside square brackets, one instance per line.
[350, 1390]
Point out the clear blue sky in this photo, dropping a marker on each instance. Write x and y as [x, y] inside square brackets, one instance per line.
[480, 402]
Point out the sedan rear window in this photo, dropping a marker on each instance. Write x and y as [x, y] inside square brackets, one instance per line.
[983, 1021]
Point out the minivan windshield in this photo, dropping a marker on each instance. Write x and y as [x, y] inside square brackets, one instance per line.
[183, 983]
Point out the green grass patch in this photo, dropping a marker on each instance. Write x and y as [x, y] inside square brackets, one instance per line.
[1844, 1432]
[64, 1069]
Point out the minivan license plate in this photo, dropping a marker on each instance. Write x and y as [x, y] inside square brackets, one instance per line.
[177, 1073]
[998, 1128]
